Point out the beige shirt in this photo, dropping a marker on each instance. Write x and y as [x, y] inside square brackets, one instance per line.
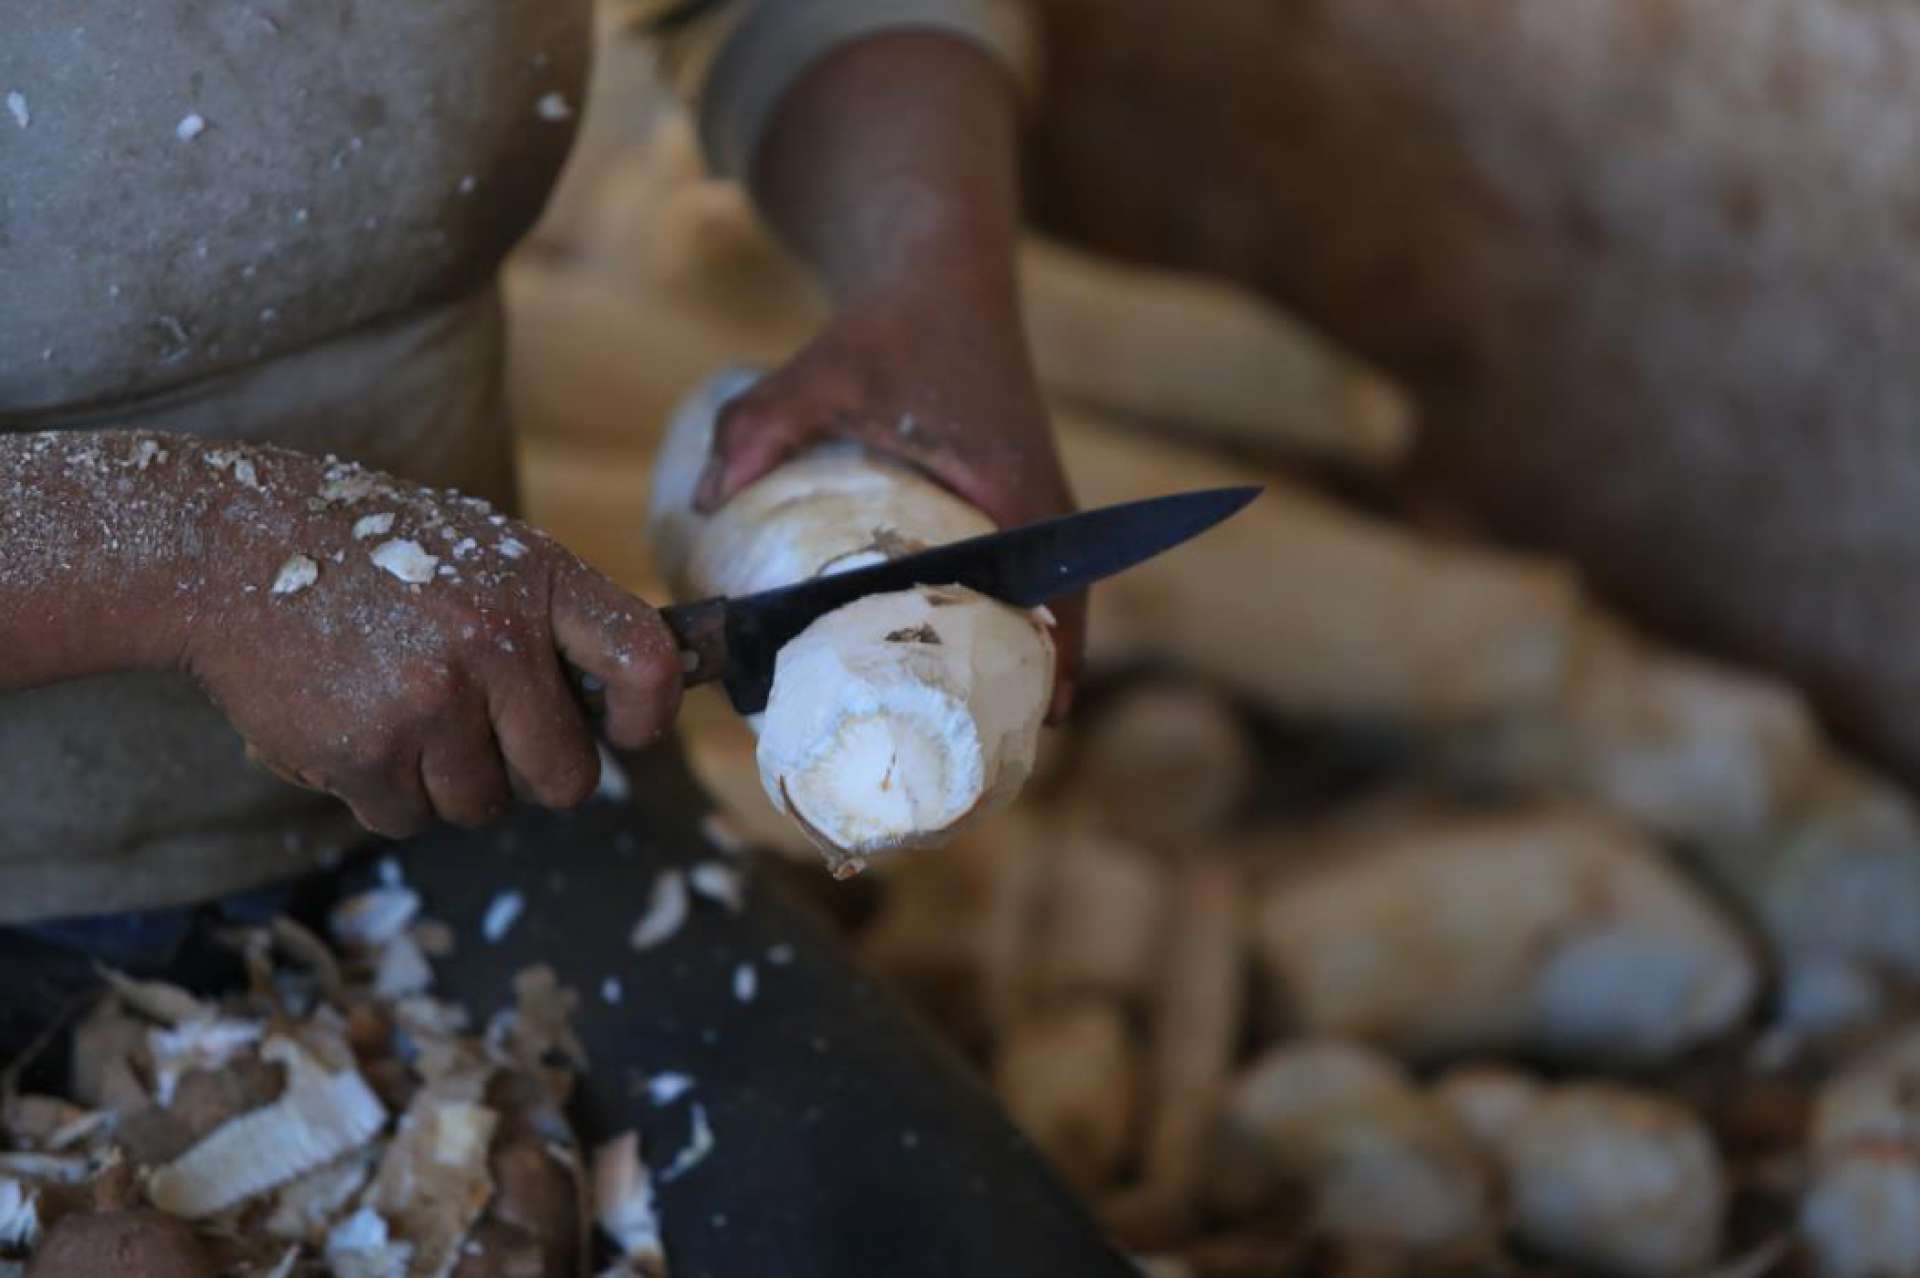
[283, 220]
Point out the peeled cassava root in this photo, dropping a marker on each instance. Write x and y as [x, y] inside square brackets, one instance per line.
[1552, 930]
[1200, 355]
[891, 721]
[1373, 620]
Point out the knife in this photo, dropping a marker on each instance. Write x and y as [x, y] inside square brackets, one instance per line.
[735, 639]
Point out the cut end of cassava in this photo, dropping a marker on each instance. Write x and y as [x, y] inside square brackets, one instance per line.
[896, 719]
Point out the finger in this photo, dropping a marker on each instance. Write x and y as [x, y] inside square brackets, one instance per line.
[394, 805]
[462, 772]
[753, 436]
[606, 632]
[1069, 648]
[542, 731]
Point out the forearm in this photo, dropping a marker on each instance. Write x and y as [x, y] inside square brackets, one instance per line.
[892, 167]
[99, 536]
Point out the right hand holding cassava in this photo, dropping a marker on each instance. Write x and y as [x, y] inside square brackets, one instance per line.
[401, 648]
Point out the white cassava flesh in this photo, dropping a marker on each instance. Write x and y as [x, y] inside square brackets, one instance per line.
[1100, 921]
[1374, 619]
[1167, 765]
[1550, 929]
[1069, 1077]
[321, 1115]
[1861, 1213]
[1350, 1126]
[1625, 1181]
[890, 721]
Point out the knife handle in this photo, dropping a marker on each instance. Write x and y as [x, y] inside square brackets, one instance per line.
[700, 631]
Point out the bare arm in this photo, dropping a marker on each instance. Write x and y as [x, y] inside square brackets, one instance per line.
[95, 530]
[398, 647]
[892, 166]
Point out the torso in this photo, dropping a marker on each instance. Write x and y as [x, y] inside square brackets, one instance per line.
[314, 265]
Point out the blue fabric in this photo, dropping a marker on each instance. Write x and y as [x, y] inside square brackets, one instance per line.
[154, 937]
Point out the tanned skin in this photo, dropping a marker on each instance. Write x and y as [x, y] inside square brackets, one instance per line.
[891, 166]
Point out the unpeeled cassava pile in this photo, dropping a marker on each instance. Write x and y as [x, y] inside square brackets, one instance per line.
[1390, 905]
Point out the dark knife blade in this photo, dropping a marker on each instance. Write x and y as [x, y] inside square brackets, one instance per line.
[735, 640]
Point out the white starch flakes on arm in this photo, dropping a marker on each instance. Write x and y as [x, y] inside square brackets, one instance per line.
[510, 548]
[17, 107]
[404, 559]
[190, 127]
[666, 911]
[553, 107]
[244, 472]
[501, 915]
[746, 982]
[296, 575]
[720, 883]
[373, 526]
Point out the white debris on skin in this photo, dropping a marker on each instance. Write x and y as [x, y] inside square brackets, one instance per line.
[501, 915]
[511, 548]
[666, 911]
[145, 453]
[610, 990]
[553, 106]
[390, 873]
[373, 525]
[296, 575]
[404, 558]
[17, 107]
[346, 484]
[464, 547]
[719, 883]
[666, 1088]
[698, 1146]
[746, 982]
[190, 127]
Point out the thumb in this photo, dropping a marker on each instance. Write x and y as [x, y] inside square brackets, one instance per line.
[752, 437]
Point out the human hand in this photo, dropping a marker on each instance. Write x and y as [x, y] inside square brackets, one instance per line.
[928, 378]
[402, 648]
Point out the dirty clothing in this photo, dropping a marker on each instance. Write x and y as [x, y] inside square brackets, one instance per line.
[283, 220]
